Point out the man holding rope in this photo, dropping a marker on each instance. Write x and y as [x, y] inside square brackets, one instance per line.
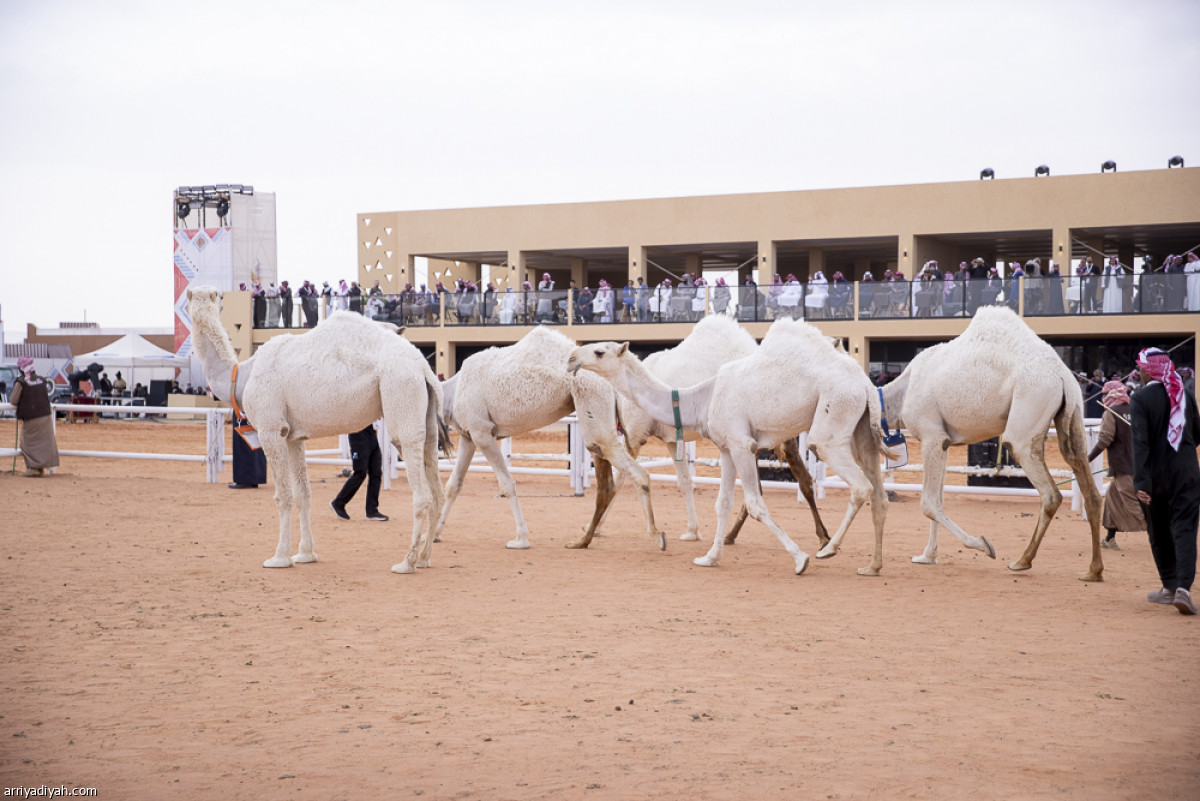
[1121, 509]
[1166, 475]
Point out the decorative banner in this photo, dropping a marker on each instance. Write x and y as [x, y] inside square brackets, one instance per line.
[203, 256]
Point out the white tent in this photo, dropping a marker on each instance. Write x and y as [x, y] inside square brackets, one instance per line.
[138, 359]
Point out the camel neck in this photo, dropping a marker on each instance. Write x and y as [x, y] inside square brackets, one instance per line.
[215, 351]
[659, 400]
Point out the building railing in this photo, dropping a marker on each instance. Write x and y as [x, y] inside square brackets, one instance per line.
[1042, 296]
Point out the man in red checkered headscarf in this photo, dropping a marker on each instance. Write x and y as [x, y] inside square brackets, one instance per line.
[1166, 474]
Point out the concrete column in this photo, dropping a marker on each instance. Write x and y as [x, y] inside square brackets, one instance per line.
[859, 348]
[816, 262]
[578, 272]
[516, 265]
[638, 268]
[1060, 249]
[444, 361]
[767, 259]
[905, 258]
[692, 264]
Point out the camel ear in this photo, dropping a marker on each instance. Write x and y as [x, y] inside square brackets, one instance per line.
[400, 330]
[621, 350]
[189, 293]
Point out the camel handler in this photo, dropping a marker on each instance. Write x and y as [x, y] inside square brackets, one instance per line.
[1122, 512]
[35, 417]
[366, 460]
[1166, 475]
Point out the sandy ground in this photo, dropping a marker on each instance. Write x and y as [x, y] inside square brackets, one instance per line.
[146, 653]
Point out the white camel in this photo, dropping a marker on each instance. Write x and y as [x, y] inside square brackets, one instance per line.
[996, 378]
[714, 341]
[796, 381]
[337, 378]
[503, 392]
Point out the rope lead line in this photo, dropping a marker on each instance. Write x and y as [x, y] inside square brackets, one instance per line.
[678, 425]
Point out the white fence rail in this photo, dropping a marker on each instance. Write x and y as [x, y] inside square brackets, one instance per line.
[578, 469]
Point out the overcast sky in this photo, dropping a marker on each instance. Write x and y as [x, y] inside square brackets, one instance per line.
[356, 106]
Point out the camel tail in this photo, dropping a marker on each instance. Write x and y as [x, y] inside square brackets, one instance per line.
[872, 417]
[434, 416]
[1068, 420]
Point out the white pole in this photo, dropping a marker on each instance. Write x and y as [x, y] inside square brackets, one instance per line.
[215, 451]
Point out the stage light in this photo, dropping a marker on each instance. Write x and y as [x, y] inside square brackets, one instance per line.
[1041, 170]
[223, 207]
[1108, 166]
[987, 172]
[183, 209]
[1176, 161]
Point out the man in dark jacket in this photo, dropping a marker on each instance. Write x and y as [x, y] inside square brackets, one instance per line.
[1166, 475]
[285, 303]
[367, 460]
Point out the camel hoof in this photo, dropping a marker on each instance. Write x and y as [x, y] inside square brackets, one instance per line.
[404, 567]
[868, 571]
[662, 540]
[438, 538]
[704, 561]
[517, 545]
[278, 561]
[304, 558]
[1091, 577]
[801, 563]
[424, 564]
[989, 550]
[827, 552]
[574, 544]
[689, 536]
[1019, 566]
[924, 560]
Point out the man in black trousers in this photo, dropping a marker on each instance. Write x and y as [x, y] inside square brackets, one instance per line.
[1166, 475]
[249, 461]
[366, 462]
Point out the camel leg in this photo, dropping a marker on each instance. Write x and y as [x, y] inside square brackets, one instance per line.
[1033, 462]
[277, 455]
[736, 528]
[491, 450]
[302, 500]
[683, 480]
[724, 507]
[838, 455]
[599, 425]
[790, 450]
[1074, 451]
[454, 484]
[934, 458]
[627, 465]
[866, 454]
[929, 555]
[746, 460]
[605, 491]
[433, 484]
[422, 500]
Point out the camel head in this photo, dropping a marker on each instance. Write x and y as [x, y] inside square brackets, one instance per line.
[602, 357]
[209, 338]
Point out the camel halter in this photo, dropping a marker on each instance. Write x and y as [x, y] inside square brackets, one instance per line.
[890, 438]
[678, 425]
[237, 410]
